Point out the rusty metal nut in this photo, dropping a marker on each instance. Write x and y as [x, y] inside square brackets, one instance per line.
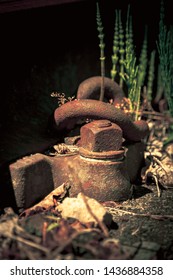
[100, 136]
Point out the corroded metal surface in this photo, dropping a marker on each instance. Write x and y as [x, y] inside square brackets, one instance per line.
[134, 160]
[101, 136]
[116, 155]
[68, 114]
[31, 178]
[90, 89]
[102, 168]
[99, 179]
[104, 178]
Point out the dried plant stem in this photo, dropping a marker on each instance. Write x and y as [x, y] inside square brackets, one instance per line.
[156, 217]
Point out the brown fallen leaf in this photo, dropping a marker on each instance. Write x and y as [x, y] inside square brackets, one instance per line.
[50, 201]
[86, 210]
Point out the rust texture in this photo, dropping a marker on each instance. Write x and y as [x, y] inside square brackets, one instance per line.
[100, 179]
[33, 177]
[101, 135]
[115, 155]
[90, 89]
[68, 114]
[102, 168]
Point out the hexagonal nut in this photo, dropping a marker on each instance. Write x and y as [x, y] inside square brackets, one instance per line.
[100, 136]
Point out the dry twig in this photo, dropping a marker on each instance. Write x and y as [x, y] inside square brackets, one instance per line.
[101, 225]
[156, 217]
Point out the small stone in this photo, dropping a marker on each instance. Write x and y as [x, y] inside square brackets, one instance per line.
[77, 208]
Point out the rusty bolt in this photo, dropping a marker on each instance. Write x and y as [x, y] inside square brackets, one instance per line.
[101, 136]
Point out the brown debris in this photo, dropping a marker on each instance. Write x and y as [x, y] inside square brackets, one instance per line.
[86, 210]
[50, 201]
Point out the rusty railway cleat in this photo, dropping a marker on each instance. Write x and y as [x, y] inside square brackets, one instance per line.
[109, 157]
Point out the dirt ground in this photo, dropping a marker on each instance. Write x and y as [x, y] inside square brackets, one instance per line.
[145, 223]
[142, 228]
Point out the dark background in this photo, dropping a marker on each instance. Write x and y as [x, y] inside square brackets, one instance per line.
[55, 48]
